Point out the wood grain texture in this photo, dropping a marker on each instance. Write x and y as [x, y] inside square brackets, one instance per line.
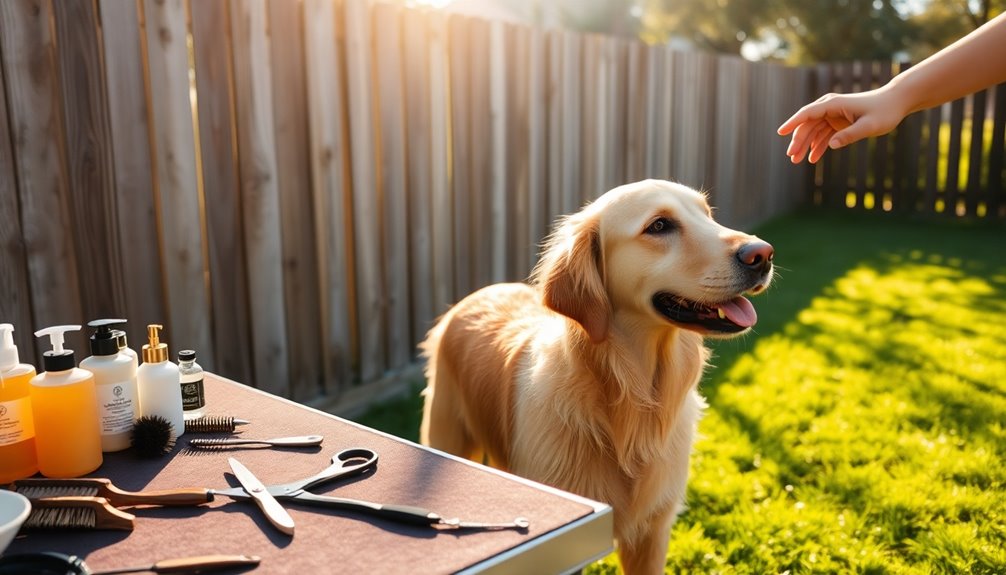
[33, 102]
[132, 172]
[370, 287]
[230, 314]
[300, 270]
[331, 192]
[176, 178]
[260, 194]
[441, 192]
[392, 181]
[419, 159]
[537, 174]
[461, 138]
[91, 189]
[479, 155]
[15, 293]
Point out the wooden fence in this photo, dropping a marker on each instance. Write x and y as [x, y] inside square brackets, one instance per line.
[947, 160]
[296, 189]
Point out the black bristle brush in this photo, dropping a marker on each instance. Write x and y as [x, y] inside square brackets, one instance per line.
[152, 436]
[213, 424]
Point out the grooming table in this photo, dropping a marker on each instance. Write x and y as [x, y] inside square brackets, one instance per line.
[566, 531]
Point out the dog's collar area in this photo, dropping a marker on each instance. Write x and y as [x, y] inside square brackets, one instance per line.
[733, 316]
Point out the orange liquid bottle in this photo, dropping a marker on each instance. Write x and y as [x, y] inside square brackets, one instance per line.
[17, 428]
[65, 408]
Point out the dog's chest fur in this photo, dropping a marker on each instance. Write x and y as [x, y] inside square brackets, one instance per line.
[627, 421]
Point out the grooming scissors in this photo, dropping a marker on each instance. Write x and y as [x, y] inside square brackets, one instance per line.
[349, 463]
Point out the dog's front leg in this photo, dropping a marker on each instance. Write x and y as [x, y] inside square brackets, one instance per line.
[646, 554]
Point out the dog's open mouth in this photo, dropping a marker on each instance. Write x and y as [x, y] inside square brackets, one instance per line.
[733, 316]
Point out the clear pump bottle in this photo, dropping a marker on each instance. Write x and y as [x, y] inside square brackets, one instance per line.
[65, 407]
[17, 427]
[115, 382]
[193, 398]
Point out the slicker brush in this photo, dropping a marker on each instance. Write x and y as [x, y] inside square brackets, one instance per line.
[213, 424]
[152, 436]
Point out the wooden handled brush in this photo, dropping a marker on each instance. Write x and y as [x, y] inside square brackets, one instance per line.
[77, 513]
[100, 487]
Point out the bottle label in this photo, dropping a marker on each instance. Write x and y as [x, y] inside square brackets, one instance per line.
[16, 421]
[192, 395]
[116, 407]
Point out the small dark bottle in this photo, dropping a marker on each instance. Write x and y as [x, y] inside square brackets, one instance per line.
[193, 399]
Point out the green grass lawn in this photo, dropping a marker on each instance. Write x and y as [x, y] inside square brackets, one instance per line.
[862, 427]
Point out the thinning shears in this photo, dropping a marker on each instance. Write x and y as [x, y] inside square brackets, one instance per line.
[353, 462]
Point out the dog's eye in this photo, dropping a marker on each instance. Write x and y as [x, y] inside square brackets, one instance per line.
[661, 226]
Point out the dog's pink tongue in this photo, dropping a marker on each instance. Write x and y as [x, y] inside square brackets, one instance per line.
[740, 311]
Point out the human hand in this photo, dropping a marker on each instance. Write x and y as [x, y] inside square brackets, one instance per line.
[837, 120]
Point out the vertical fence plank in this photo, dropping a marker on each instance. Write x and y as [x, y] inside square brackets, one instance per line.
[952, 188]
[733, 125]
[371, 299]
[218, 162]
[15, 294]
[331, 198]
[29, 62]
[592, 116]
[553, 49]
[260, 193]
[480, 153]
[686, 124]
[300, 273]
[573, 196]
[537, 145]
[416, 78]
[974, 190]
[87, 136]
[934, 122]
[516, 43]
[659, 153]
[635, 111]
[498, 177]
[461, 138]
[391, 164]
[441, 193]
[997, 156]
[176, 177]
[130, 140]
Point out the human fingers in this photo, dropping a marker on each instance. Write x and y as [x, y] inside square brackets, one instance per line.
[816, 110]
[800, 136]
[819, 145]
[808, 135]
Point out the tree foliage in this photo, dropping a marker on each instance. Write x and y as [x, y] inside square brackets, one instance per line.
[805, 31]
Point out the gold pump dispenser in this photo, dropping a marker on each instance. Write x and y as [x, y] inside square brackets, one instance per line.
[154, 351]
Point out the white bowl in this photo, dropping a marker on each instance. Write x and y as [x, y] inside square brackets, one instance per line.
[14, 509]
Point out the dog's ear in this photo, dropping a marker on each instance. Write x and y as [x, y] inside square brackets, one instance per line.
[569, 275]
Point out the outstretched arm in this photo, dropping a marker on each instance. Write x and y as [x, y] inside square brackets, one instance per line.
[972, 63]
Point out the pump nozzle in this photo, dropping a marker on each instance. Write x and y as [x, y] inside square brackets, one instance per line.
[57, 359]
[154, 351]
[105, 340]
[8, 351]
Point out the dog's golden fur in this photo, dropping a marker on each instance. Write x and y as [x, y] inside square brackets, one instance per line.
[575, 379]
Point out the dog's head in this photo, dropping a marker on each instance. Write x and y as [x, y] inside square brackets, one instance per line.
[651, 254]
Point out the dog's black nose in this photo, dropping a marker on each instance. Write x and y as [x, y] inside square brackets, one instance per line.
[756, 256]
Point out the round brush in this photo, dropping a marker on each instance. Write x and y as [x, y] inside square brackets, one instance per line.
[152, 436]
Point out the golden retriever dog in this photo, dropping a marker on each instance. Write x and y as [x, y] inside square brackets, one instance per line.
[585, 378]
